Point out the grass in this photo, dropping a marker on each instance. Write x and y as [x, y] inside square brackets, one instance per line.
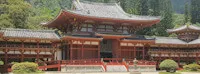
[169, 73]
[188, 71]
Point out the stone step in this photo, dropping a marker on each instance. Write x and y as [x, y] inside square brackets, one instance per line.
[135, 73]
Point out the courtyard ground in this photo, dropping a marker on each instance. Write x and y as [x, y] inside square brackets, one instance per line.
[56, 72]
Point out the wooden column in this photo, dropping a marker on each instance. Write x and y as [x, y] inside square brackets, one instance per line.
[22, 51]
[53, 51]
[179, 59]
[197, 58]
[143, 52]
[6, 53]
[119, 50]
[99, 56]
[67, 51]
[134, 55]
[6, 56]
[37, 51]
[82, 51]
[71, 52]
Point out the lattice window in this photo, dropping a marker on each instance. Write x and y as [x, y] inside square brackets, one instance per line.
[87, 28]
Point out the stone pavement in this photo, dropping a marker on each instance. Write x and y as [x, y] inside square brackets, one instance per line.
[190, 72]
[104, 73]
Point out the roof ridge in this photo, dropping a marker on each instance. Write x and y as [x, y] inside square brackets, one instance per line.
[165, 37]
[17, 29]
[97, 3]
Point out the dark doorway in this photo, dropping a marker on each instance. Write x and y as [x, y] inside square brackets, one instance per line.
[106, 55]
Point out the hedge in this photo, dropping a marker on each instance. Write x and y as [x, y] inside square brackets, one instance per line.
[1, 63]
[192, 67]
[25, 67]
[168, 65]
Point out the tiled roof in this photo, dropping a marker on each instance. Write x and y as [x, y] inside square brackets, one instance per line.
[193, 27]
[174, 40]
[140, 37]
[26, 33]
[106, 10]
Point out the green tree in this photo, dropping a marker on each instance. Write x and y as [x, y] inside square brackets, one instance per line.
[195, 11]
[159, 8]
[144, 7]
[15, 13]
[186, 13]
[18, 11]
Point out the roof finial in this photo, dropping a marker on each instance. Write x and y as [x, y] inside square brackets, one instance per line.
[188, 24]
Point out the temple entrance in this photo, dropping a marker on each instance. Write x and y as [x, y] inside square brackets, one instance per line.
[106, 48]
[106, 55]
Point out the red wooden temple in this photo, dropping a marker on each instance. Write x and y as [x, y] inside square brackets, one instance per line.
[18, 45]
[101, 30]
[98, 30]
[184, 48]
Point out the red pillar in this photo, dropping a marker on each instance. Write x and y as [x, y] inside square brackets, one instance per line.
[134, 55]
[22, 52]
[53, 52]
[179, 59]
[71, 53]
[6, 56]
[120, 50]
[197, 58]
[99, 50]
[143, 52]
[82, 51]
[37, 57]
[6, 53]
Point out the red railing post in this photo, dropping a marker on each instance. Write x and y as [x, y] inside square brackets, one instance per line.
[125, 64]
[59, 65]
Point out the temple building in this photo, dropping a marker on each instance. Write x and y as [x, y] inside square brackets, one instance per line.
[18, 45]
[99, 30]
[184, 49]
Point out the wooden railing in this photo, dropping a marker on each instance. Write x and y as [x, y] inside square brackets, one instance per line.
[112, 61]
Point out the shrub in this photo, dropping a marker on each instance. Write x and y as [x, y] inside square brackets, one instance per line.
[191, 67]
[1, 63]
[168, 65]
[25, 67]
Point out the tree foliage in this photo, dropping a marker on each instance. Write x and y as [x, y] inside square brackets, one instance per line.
[192, 67]
[25, 67]
[1, 62]
[168, 64]
[159, 8]
[195, 11]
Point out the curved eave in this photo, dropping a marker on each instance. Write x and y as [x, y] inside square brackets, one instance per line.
[61, 19]
[184, 29]
[139, 41]
[112, 36]
[81, 38]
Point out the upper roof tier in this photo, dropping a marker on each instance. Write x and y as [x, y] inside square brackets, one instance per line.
[184, 29]
[186, 33]
[101, 13]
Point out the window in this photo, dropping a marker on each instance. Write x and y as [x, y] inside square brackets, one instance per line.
[105, 28]
[86, 28]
